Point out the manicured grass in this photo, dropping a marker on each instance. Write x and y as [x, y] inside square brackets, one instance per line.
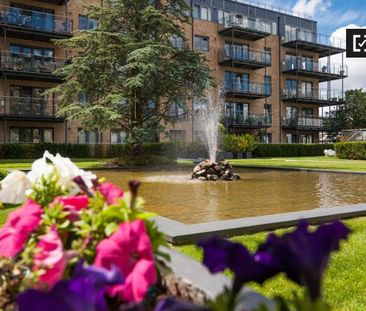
[26, 164]
[305, 162]
[345, 284]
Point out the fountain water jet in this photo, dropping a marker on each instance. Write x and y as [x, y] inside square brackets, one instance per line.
[209, 119]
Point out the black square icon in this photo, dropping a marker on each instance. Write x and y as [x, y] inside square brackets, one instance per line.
[356, 43]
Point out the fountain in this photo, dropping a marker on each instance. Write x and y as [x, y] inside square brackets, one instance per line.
[209, 119]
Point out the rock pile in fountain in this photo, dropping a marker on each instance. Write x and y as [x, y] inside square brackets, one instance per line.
[214, 171]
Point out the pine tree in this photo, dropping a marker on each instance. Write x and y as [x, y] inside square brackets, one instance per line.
[129, 69]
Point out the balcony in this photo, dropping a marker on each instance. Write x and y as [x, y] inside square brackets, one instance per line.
[33, 25]
[323, 71]
[253, 121]
[30, 109]
[313, 42]
[249, 59]
[245, 89]
[308, 123]
[243, 27]
[30, 67]
[319, 97]
[58, 2]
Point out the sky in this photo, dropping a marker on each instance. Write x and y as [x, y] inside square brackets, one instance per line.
[334, 17]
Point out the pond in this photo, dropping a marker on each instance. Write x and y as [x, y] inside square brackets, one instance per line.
[260, 192]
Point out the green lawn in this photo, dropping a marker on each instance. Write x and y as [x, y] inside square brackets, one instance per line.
[305, 162]
[345, 284]
[26, 164]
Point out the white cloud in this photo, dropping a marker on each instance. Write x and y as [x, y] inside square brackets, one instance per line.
[311, 7]
[356, 66]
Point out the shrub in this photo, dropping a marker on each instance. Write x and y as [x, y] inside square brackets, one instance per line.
[192, 150]
[291, 150]
[3, 174]
[246, 143]
[230, 143]
[351, 150]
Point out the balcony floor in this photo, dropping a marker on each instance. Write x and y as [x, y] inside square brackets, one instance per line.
[13, 31]
[247, 64]
[243, 33]
[317, 102]
[58, 2]
[29, 76]
[322, 76]
[233, 94]
[304, 128]
[321, 49]
[31, 118]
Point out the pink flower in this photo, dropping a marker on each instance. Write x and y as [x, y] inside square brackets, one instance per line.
[17, 229]
[73, 204]
[130, 249]
[110, 192]
[50, 258]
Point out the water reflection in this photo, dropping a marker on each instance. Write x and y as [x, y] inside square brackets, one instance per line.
[260, 192]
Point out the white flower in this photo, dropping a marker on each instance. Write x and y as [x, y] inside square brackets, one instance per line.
[14, 187]
[17, 185]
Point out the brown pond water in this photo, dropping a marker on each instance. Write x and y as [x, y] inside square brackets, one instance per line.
[260, 192]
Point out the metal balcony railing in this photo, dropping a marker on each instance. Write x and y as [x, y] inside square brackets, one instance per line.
[236, 53]
[35, 20]
[314, 94]
[27, 107]
[314, 38]
[246, 87]
[304, 64]
[30, 63]
[302, 121]
[250, 23]
[252, 120]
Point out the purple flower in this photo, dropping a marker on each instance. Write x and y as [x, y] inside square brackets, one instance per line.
[171, 304]
[85, 291]
[303, 255]
[220, 254]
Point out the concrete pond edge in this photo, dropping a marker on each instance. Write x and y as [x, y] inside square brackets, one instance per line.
[179, 233]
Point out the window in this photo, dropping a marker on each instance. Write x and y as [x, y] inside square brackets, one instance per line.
[291, 138]
[37, 56]
[88, 137]
[30, 135]
[201, 43]
[307, 139]
[267, 85]
[291, 87]
[177, 42]
[201, 13]
[177, 135]
[87, 23]
[118, 137]
[199, 104]
[238, 82]
[177, 109]
[306, 89]
[239, 112]
[266, 138]
[291, 112]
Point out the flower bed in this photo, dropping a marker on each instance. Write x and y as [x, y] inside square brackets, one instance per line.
[79, 243]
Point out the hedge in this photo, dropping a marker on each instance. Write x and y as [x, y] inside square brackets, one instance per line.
[290, 150]
[351, 150]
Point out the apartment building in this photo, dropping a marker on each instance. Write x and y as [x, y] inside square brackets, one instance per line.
[274, 68]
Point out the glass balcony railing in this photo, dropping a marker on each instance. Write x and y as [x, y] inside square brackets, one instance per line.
[30, 63]
[248, 88]
[315, 67]
[313, 37]
[252, 120]
[28, 107]
[36, 20]
[313, 95]
[250, 23]
[234, 53]
[303, 122]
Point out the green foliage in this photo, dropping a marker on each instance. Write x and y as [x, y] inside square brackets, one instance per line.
[33, 151]
[290, 150]
[351, 150]
[128, 63]
[350, 115]
[229, 143]
[3, 174]
[246, 143]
